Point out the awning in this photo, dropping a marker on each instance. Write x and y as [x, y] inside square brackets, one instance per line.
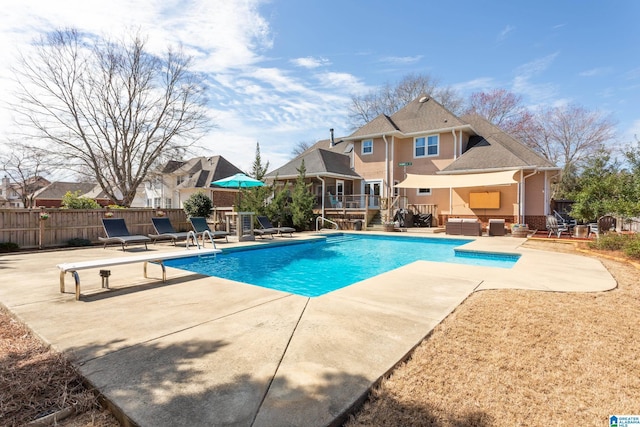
[459, 181]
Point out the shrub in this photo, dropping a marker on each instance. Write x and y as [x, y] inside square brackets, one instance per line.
[632, 247]
[609, 242]
[9, 247]
[74, 201]
[198, 204]
[76, 242]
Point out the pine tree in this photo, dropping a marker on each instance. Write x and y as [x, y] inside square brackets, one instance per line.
[302, 201]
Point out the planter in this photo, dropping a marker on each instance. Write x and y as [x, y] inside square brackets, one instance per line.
[521, 232]
[389, 227]
[581, 231]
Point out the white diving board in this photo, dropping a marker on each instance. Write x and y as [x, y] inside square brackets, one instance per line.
[159, 257]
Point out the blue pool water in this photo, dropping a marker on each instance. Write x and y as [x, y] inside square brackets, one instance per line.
[314, 268]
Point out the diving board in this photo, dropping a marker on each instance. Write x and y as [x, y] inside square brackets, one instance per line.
[159, 257]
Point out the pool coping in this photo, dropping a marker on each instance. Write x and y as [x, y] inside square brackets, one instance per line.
[205, 351]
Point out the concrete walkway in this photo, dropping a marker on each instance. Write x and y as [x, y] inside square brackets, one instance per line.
[203, 351]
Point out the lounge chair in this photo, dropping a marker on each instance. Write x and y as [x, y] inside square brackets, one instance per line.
[117, 232]
[201, 228]
[165, 231]
[265, 225]
[556, 228]
[606, 224]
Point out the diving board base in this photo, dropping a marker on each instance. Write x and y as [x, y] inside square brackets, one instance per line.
[159, 258]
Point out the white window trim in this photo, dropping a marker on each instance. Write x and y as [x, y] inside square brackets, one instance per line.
[428, 192]
[362, 147]
[426, 146]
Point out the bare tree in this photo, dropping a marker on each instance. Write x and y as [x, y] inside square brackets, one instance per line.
[568, 135]
[110, 108]
[391, 97]
[25, 166]
[300, 148]
[504, 109]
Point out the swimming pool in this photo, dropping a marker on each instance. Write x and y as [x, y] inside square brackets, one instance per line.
[316, 267]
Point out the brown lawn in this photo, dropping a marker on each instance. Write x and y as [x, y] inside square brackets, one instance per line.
[503, 358]
[522, 358]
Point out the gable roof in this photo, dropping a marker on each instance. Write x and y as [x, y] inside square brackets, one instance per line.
[494, 149]
[317, 162]
[56, 190]
[204, 170]
[423, 114]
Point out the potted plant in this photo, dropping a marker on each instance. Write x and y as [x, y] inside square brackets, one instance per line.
[44, 216]
[389, 225]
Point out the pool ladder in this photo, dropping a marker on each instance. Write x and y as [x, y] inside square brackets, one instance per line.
[322, 220]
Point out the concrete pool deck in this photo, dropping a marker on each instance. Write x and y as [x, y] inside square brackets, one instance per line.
[206, 351]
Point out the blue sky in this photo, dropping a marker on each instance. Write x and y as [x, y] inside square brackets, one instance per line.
[283, 71]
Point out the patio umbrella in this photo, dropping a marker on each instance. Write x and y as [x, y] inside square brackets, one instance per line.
[238, 180]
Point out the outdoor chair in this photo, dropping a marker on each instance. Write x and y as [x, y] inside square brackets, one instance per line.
[265, 224]
[333, 200]
[556, 228]
[496, 227]
[164, 231]
[117, 232]
[201, 228]
[606, 224]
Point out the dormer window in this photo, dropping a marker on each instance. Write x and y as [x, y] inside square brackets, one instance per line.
[367, 147]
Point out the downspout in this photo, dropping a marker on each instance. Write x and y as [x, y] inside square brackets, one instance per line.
[386, 164]
[323, 192]
[455, 144]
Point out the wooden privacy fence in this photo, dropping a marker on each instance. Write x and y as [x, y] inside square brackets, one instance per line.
[26, 228]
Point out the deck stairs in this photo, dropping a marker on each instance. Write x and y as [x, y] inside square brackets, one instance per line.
[376, 223]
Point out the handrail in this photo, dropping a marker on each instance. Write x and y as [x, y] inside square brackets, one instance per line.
[192, 235]
[327, 220]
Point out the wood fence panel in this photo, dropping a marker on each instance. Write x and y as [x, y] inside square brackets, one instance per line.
[25, 228]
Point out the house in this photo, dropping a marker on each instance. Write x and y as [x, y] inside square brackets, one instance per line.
[176, 181]
[51, 196]
[426, 159]
[11, 193]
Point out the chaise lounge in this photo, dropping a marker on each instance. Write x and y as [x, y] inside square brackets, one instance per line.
[268, 228]
[117, 232]
[165, 231]
[201, 228]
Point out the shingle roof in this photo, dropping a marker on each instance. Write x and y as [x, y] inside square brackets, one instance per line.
[57, 190]
[494, 149]
[204, 170]
[423, 114]
[317, 162]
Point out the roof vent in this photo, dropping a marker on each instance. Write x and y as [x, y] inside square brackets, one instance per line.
[423, 99]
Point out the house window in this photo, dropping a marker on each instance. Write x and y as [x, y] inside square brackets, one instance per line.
[426, 146]
[424, 192]
[367, 146]
[179, 179]
[167, 203]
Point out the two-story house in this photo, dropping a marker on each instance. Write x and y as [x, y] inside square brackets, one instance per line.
[425, 158]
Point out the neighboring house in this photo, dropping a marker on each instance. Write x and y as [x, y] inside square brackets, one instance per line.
[177, 180]
[11, 193]
[51, 195]
[425, 158]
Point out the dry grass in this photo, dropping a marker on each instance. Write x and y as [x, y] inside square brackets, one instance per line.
[521, 358]
[36, 381]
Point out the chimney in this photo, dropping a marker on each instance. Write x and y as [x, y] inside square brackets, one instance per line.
[333, 142]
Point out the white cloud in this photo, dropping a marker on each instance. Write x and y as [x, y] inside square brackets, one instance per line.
[505, 32]
[401, 60]
[523, 83]
[477, 84]
[594, 72]
[310, 62]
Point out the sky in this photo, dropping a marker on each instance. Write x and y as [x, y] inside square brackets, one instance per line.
[281, 72]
